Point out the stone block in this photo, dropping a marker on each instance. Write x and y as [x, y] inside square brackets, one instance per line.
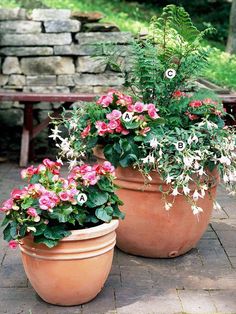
[47, 65]
[35, 39]
[99, 37]
[100, 27]
[62, 26]
[6, 104]
[104, 79]
[46, 89]
[85, 17]
[50, 14]
[12, 14]
[43, 106]
[11, 117]
[20, 27]
[3, 79]
[83, 89]
[91, 64]
[66, 80]
[104, 89]
[79, 50]
[42, 80]
[119, 50]
[197, 302]
[224, 301]
[26, 51]
[11, 66]
[17, 80]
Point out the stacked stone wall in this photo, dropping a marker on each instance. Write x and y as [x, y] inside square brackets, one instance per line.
[52, 50]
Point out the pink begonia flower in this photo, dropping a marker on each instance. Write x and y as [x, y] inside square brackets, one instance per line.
[28, 172]
[13, 244]
[153, 114]
[7, 205]
[195, 103]
[209, 101]
[139, 107]
[35, 190]
[86, 131]
[64, 196]
[42, 168]
[145, 131]
[105, 100]
[151, 107]
[124, 131]
[130, 108]
[31, 211]
[113, 124]
[108, 167]
[48, 200]
[124, 100]
[101, 127]
[91, 178]
[191, 116]
[114, 115]
[178, 94]
[53, 166]
[16, 194]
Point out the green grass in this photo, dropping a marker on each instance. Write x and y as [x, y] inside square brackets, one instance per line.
[130, 16]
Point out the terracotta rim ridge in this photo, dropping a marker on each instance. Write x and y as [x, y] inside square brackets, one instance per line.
[106, 229]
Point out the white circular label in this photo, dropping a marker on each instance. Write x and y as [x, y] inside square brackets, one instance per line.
[170, 73]
[127, 116]
[82, 198]
[180, 146]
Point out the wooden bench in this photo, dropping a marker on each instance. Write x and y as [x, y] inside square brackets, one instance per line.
[29, 131]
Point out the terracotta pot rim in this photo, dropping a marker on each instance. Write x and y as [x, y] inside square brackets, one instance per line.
[92, 232]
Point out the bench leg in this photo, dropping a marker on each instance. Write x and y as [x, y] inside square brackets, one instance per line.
[24, 151]
[26, 135]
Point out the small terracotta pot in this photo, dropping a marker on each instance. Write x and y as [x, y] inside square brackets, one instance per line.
[148, 229]
[74, 271]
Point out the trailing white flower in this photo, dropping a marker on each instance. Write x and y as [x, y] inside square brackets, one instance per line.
[168, 206]
[188, 160]
[175, 192]
[72, 163]
[196, 195]
[196, 209]
[154, 143]
[168, 179]
[225, 160]
[186, 190]
[55, 133]
[192, 139]
[216, 205]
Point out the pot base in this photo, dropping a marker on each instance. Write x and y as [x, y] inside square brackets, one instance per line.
[74, 271]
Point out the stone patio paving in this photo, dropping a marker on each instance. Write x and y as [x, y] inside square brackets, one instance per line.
[202, 281]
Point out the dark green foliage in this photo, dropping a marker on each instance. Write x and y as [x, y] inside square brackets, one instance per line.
[173, 42]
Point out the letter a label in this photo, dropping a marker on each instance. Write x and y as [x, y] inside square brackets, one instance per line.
[127, 116]
[82, 198]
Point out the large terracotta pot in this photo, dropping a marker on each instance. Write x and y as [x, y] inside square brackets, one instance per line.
[74, 271]
[150, 230]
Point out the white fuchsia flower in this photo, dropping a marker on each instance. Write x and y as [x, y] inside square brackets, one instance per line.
[154, 143]
[196, 209]
[175, 192]
[55, 133]
[225, 160]
[192, 139]
[186, 190]
[168, 206]
[196, 195]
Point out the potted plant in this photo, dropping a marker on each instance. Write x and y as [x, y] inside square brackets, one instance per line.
[65, 229]
[169, 146]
